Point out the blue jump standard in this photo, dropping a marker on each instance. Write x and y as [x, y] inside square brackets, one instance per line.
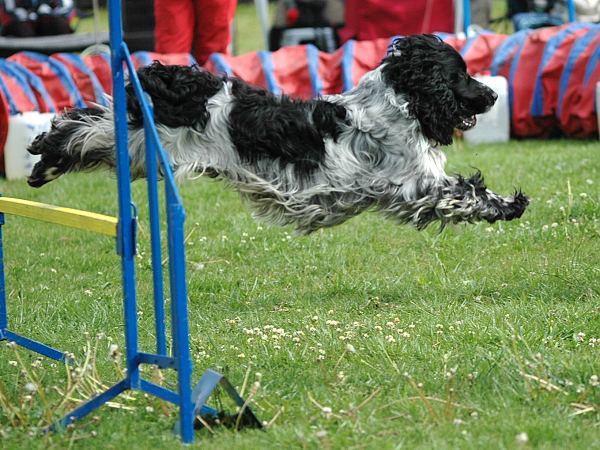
[190, 403]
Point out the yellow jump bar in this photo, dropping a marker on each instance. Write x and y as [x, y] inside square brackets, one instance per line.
[74, 218]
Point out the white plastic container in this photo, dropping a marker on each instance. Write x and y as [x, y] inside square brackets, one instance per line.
[22, 129]
[598, 105]
[494, 125]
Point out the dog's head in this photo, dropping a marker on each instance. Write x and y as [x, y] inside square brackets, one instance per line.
[433, 77]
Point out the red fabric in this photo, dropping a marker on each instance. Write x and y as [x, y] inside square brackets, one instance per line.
[201, 27]
[247, 67]
[100, 65]
[523, 84]
[481, 52]
[82, 80]
[330, 71]
[370, 19]
[367, 56]
[577, 116]
[585, 109]
[4, 113]
[56, 89]
[20, 98]
[290, 69]
[455, 42]
[551, 73]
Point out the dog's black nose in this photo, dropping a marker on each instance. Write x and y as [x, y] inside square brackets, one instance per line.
[494, 95]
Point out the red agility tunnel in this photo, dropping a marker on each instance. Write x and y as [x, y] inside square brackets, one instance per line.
[545, 96]
[16, 96]
[477, 51]
[55, 76]
[299, 71]
[522, 79]
[100, 64]
[84, 78]
[576, 114]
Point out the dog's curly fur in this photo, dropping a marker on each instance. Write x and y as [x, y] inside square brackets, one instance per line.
[312, 163]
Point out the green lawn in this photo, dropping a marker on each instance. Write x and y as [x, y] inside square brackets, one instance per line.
[365, 335]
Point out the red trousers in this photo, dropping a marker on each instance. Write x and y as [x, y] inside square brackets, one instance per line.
[200, 27]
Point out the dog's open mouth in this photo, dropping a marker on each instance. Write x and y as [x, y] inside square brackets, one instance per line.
[467, 123]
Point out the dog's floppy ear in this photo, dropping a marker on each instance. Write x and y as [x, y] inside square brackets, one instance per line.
[414, 68]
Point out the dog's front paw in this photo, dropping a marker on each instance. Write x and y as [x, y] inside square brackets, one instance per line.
[518, 206]
[507, 208]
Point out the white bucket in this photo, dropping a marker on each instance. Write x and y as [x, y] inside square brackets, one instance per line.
[598, 105]
[22, 129]
[494, 125]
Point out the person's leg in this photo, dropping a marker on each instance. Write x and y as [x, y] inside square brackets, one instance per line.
[213, 27]
[174, 26]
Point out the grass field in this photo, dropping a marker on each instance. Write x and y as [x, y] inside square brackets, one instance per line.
[367, 335]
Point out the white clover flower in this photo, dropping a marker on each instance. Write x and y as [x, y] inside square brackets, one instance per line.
[322, 434]
[522, 438]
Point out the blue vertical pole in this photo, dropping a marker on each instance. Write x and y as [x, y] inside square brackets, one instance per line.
[154, 212]
[126, 235]
[466, 16]
[571, 10]
[179, 313]
[3, 313]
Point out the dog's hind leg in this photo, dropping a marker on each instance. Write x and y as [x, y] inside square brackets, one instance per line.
[460, 200]
[78, 139]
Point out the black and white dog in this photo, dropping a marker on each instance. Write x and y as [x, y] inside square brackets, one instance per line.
[312, 163]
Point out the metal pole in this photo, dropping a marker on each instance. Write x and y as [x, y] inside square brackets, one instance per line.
[179, 313]
[154, 213]
[571, 10]
[126, 227]
[466, 16]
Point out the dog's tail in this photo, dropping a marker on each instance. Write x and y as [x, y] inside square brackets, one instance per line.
[78, 139]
